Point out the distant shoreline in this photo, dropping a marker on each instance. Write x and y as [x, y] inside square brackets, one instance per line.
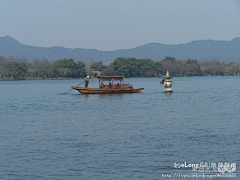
[26, 79]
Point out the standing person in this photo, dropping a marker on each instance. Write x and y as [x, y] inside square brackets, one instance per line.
[86, 81]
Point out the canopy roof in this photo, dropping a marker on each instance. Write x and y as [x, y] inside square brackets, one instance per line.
[107, 78]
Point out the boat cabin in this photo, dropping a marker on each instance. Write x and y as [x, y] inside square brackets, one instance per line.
[113, 82]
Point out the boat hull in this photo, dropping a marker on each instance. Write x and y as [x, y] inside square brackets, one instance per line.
[105, 91]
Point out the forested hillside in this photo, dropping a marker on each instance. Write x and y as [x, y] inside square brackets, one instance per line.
[199, 50]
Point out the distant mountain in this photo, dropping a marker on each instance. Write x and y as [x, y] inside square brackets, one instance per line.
[199, 50]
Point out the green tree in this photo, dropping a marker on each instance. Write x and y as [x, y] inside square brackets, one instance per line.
[40, 68]
[68, 68]
[98, 66]
[147, 68]
[169, 59]
[108, 71]
[131, 67]
[159, 68]
[17, 70]
[193, 68]
[81, 68]
[3, 70]
[170, 64]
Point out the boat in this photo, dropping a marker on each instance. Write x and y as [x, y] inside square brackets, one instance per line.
[110, 88]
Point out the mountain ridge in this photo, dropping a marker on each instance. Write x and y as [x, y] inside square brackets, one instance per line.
[197, 49]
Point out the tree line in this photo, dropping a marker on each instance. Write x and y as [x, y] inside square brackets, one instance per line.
[131, 67]
[16, 68]
[22, 69]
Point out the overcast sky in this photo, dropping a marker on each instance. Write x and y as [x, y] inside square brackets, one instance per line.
[118, 24]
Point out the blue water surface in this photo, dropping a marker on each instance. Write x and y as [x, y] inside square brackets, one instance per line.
[46, 134]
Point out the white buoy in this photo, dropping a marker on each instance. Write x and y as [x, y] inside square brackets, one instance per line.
[168, 83]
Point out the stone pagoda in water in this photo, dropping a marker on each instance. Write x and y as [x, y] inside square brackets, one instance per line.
[167, 83]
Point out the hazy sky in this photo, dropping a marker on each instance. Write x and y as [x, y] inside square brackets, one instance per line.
[118, 24]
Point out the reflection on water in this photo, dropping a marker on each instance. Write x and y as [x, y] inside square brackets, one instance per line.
[46, 134]
[102, 96]
[168, 94]
[112, 96]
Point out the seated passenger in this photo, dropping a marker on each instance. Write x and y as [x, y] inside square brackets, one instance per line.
[118, 85]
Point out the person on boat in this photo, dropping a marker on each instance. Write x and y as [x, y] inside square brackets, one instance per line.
[86, 81]
[101, 86]
[118, 85]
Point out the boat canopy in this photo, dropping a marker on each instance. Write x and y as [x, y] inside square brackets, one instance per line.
[110, 78]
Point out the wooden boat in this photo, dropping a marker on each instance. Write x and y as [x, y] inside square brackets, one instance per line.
[109, 88]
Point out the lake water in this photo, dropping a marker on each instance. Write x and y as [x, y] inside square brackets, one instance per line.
[46, 134]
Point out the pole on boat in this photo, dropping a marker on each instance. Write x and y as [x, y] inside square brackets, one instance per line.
[71, 88]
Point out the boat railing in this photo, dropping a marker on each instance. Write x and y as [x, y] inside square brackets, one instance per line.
[116, 86]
